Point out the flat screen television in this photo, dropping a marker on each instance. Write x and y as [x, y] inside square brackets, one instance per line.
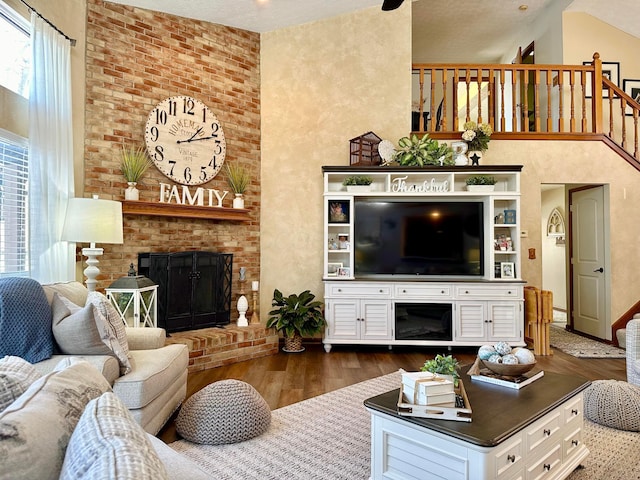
[418, 238]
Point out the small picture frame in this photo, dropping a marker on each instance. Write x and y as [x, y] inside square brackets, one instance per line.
[333, 268]
[338, 211]
[344, 272]
[611, 70]
[507, 270]
[509, 217]
[632, 88]
[343, 241]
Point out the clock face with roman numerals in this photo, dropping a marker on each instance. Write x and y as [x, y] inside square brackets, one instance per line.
[185, 140]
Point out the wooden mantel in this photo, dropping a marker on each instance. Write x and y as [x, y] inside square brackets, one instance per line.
[184, 211]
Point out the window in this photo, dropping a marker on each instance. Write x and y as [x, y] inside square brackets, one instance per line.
[14, 157]
[15, 55]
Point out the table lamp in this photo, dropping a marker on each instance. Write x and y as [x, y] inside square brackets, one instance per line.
[91, 220]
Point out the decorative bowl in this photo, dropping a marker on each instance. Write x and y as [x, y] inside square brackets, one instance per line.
[507, 369]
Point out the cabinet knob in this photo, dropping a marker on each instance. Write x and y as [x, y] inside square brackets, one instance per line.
[404, 291]
[381, 291]
[339, 289]
[547, 432]
[574, 411]
[574, 443]
[442, 292]
[511, 458]
[547, 466]
[509, 292]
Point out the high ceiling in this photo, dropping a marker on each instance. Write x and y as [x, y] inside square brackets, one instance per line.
[254, 15]
[460, 31]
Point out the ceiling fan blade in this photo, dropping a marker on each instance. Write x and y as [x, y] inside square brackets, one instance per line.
[391, 4]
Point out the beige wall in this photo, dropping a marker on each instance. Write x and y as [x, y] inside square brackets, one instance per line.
[584, 35]
[323, 83]
[578, 163]
[554, 268]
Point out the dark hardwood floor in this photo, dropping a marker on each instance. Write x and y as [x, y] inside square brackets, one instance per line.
[287, 378]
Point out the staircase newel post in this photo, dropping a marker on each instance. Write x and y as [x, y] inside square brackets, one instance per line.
[596, 94]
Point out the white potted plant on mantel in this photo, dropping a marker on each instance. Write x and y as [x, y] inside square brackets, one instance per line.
[238, 181]
[133, 165]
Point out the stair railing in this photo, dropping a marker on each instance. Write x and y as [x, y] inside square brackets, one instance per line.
[526, 101]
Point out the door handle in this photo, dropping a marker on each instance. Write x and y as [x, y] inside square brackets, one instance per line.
[599, 270]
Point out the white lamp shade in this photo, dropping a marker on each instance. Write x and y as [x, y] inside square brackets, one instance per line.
[92, 220]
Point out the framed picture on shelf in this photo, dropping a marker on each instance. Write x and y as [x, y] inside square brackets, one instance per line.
[343, 241]
[344, 272]
[632, 88]
[610, 70]
[333, 268]
[338, 211]
[507, 270]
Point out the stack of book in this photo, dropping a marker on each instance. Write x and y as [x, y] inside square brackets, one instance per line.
[425, 388]
[518, 382]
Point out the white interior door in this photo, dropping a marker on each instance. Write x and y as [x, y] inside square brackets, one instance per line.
[588, 261]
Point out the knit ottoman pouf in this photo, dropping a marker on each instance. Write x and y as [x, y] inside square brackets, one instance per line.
[228, 411]
[614, 404]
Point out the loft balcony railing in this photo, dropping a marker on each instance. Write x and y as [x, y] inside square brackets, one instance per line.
[522, 101]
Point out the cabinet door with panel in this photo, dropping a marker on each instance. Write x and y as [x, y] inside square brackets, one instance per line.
[490, 321]
[505, 321]
[355, 319]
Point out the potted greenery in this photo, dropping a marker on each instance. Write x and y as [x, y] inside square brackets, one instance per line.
[238, 180]
[420, 152]
[479, 183]
[134, 163]
[358, 183]
[296, 316]
[445, 366]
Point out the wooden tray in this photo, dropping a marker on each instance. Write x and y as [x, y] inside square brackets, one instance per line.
[435, 411]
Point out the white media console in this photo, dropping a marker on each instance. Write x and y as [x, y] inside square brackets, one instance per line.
[414, 305]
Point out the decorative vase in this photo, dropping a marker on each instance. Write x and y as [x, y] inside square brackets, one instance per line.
[238, 201]
[474, 157]
[131, 192]
[293, 344]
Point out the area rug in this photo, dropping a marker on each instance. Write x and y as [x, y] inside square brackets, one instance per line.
[328, 438]
[582, 347]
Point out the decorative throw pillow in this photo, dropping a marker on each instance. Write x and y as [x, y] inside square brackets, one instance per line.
[108, 443]
[85, 331]
[108, 311]
[16, 374]
[227, 411]
[36, 428]
[25, 320]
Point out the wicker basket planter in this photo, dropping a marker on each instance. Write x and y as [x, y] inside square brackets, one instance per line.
[293, 344]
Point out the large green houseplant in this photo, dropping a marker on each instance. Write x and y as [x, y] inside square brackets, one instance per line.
[295, 316]
[417, 151]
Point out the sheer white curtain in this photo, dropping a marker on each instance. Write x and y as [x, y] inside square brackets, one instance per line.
[50, 154]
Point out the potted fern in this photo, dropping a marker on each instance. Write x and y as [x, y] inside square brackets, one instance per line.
[134, 163]
[296, 316]
[238, 181]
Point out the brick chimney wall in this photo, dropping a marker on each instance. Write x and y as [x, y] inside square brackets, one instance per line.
[136, 58]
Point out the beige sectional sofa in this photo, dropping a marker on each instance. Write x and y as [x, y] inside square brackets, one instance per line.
[157, 382]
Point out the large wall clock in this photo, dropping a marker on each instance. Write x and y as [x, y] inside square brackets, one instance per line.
[185, 140]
